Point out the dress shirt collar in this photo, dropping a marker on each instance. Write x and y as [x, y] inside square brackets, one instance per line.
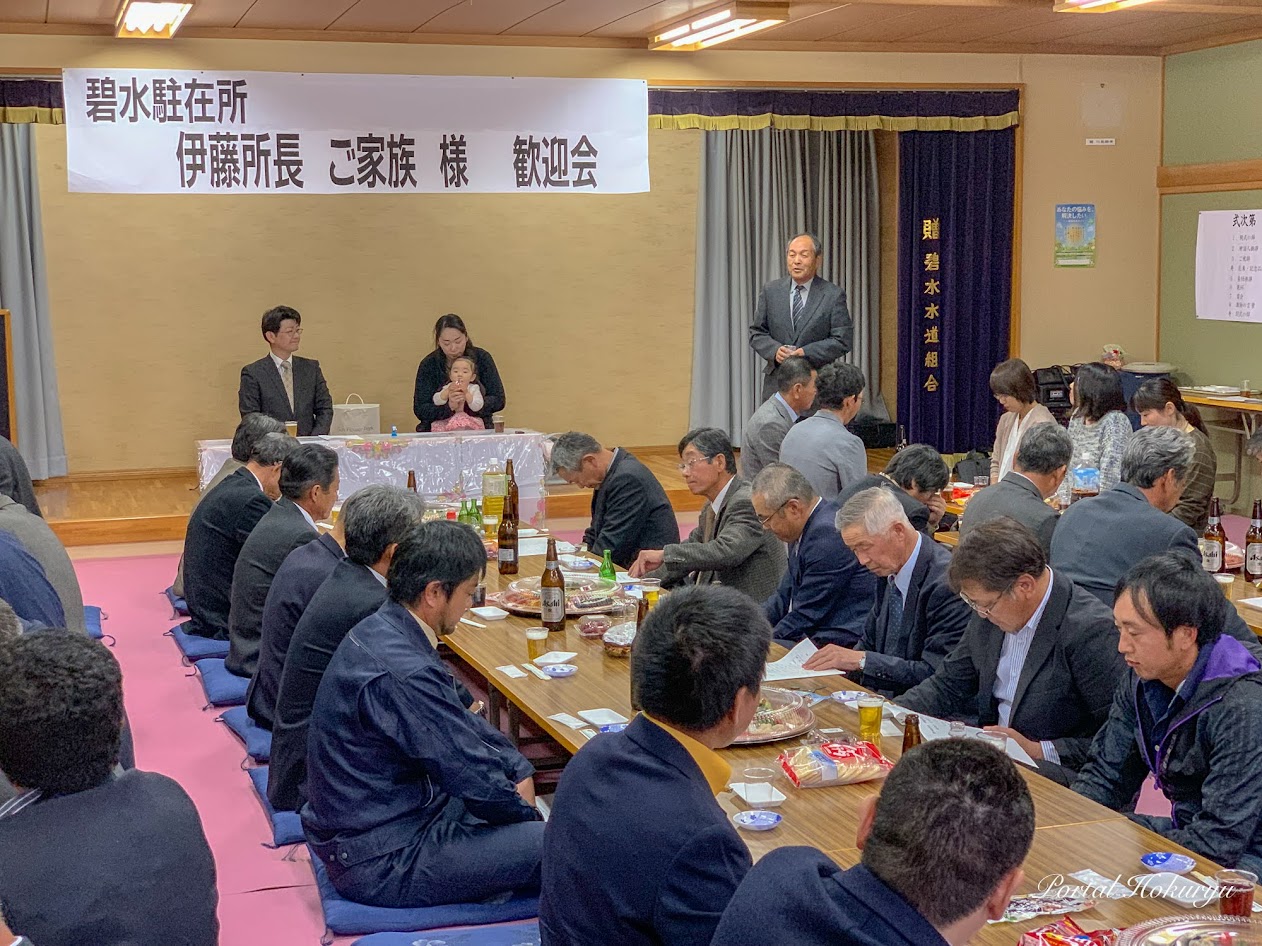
[425, 628]
[718, 500]
[712, 766]
[806, 289]
[1032, 624]
[278, 361]
[793, 415]
[306, 515]
[381, 578]
[256, 479]
[902, 579]
[1027, 479]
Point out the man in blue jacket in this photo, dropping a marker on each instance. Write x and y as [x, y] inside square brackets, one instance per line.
[942, 851]
[413, 800]
[825, 593]
[638, 852]
[1189, 711]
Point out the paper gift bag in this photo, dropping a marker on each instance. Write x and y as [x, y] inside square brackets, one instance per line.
[357, 419]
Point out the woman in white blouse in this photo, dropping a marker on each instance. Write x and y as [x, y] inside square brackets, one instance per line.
[1013, 385]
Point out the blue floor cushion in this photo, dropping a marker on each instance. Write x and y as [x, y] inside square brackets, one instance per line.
[258, 741]
[346, 918]
[518, 934]
[222, 687]
[286, 825]
[195, 647]
[92, 618]
[178, 604]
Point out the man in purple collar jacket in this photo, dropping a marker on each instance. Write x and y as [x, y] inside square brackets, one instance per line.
[1189, 711]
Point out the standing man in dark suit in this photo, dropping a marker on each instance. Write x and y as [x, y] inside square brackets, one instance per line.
[283, 385]
[299, 577]
[729, 545]
[641, 803]
[917, 619]
[1039, 660]
[1037, 471]
[942, 850]
[1099, 540]
[825, 593]
[766, 429]
[219, 526]
[916, 476]
[376, 519]
[308, 490]
[800, 314]
[630, 511]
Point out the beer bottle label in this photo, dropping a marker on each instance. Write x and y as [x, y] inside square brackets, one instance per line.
[1253, 558]
[507, 554]
[1211, 555]
[552, 604]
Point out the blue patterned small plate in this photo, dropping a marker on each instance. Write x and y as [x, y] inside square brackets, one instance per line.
[560, 670]
[1167, 861]
[757, 820]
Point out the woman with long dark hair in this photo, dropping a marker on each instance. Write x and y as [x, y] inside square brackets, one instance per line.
[1159, 403]
[1012, 383]
[436, 397]
[1098, 427]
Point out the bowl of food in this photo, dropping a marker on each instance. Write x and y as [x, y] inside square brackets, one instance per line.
[618, 641]
[781, 714]
[593, 626]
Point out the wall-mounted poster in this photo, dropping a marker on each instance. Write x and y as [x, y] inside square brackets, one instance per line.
[1075, 235]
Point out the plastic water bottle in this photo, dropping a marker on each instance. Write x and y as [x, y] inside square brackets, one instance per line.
[394, 431]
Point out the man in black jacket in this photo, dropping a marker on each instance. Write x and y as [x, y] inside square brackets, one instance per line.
[917, 619]
[375, 520]
[283, 385]
[308, 487]
[1039, 660]
[1037, 472]
[219, 526]
[1189, 711]
[630, 511]
[916, 476]
[89, 855]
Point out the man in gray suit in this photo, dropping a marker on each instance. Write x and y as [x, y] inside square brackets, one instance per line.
[34, 535]
[729, 545]
[820, 447]
[1099, 540]
[1040, 465]
[765, 430]
[800, 314]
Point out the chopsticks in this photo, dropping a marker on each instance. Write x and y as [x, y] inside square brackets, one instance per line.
[472, 623]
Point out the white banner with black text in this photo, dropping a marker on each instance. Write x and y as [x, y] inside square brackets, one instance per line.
[145, 131]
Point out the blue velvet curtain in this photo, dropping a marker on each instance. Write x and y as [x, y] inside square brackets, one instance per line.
[954, 282]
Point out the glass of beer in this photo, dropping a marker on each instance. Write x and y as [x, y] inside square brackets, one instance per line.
[650, 588]
[1235, 892]
[536, 641]
[870, 709]
[291, 428]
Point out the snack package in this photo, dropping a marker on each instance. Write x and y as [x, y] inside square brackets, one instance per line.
[834, 763]
[1068, 933]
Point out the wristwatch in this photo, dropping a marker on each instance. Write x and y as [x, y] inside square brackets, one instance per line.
[863, 661]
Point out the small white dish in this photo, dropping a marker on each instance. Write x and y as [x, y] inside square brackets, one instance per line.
[527, 533]
[848, 696]
[602, 716]
[555, 657]
[757, 820]
[577, 563]
[560, 670]
[767, 796]
[489, 613]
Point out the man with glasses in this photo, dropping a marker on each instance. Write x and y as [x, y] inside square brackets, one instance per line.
[282, 385]
[820, 447]
[1039, 660]
[729, 545]
[825, 593]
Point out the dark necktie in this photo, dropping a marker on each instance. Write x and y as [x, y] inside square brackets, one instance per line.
[896, 606]
[798, 304]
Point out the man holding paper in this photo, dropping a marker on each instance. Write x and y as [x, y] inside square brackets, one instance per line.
[1038, 662]
[917, 619]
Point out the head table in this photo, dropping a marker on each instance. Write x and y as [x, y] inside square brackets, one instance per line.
[448, 466]
[1072, 833]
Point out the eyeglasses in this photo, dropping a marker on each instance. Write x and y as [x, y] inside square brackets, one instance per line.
[291, 331]
[763, 520]
[687, 464]
[988, 609]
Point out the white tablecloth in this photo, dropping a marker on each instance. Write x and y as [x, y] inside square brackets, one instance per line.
[448, 467]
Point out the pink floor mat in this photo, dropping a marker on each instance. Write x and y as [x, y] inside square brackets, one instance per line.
[263, 898]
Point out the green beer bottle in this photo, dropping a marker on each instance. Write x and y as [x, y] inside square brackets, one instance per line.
[606, 566]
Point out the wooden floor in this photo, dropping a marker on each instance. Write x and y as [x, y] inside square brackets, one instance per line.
[153, 506]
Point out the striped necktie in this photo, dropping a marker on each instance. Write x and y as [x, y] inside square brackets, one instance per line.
[798, 304]
[287, 379]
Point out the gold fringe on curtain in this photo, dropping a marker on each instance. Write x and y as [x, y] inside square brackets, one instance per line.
[836, 123]
[31, 115]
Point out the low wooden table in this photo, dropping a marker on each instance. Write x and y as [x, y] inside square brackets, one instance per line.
[1248, 414]
[1072, 834]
